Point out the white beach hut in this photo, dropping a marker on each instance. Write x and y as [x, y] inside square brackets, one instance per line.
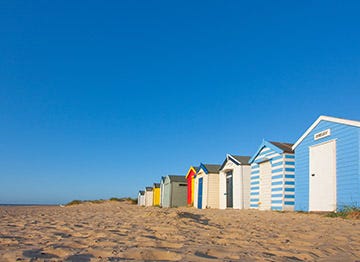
[162, 192]
[141, 198]
[149, 196]
[234, 182]
[206, 186]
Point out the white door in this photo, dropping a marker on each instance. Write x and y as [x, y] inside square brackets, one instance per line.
[322, 177]
[265, 186]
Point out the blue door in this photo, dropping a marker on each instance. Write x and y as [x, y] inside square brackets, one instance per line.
[200, 192]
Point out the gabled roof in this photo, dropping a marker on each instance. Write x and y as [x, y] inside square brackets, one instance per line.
[195, 169]
[286, 147]
[162, 179]
[244, 160]
[156, 185]
[329, 119]
[278, 147]
[177, 178]
[148, 188]
[238, 160]
[141, 192]
[209, 168]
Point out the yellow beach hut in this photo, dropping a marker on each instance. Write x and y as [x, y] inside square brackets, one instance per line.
[156, 194]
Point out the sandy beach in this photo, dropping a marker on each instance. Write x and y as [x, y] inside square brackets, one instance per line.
[118, 231]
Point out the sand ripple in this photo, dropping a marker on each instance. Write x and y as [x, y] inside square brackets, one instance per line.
[114, 231]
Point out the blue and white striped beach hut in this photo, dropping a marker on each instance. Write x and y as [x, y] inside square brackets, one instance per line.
[328, 165]
[272, 181]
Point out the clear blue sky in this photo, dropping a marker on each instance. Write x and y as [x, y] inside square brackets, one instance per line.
[101, 99]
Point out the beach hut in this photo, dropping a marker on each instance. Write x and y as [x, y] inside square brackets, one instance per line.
[141, 198]
[328, 165]
[162, 181]
[156, 194]
[207, 186]
[190, 178]
[149, 194]
[234, 182]
[272, 181]
[175, 191]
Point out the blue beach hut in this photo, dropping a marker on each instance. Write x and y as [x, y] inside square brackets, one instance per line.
[328, 165]
[272, 179]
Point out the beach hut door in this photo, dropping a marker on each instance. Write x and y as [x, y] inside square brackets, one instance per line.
[322, 177]
[200, 192]
[229, 189]
[265, 186]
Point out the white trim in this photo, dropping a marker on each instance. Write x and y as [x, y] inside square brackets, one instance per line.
[325, 142]
[326, 118]
[228, 156]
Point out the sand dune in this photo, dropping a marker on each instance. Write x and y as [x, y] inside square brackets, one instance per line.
[114, 231]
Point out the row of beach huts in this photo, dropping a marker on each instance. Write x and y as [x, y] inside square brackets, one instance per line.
[319, 172]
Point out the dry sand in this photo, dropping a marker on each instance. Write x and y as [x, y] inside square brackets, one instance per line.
[115, 231]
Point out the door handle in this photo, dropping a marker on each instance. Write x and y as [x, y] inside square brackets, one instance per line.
[312, 174]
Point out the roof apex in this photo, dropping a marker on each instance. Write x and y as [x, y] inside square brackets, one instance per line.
[210, 168]
[329, 119]
[279, 147]
[238, 160]
[195, 169]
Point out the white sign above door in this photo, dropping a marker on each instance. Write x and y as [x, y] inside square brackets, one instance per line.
[322, 134]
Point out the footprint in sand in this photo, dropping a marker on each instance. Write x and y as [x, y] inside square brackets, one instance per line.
[38, 253]
[151, 254]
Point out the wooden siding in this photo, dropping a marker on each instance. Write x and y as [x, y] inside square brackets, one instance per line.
[282, 179]
[190, 186]
[347, 164]
[201, 174]
[148, 198]
[162, 192]
[213, 190]
[241, 185]
[196, 187]
[178, 194]
[156, 197]
[245, 195]
[167, 193]
[141, 200]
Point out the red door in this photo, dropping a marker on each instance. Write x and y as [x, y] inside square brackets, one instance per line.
[189, 179]
[189, 189]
